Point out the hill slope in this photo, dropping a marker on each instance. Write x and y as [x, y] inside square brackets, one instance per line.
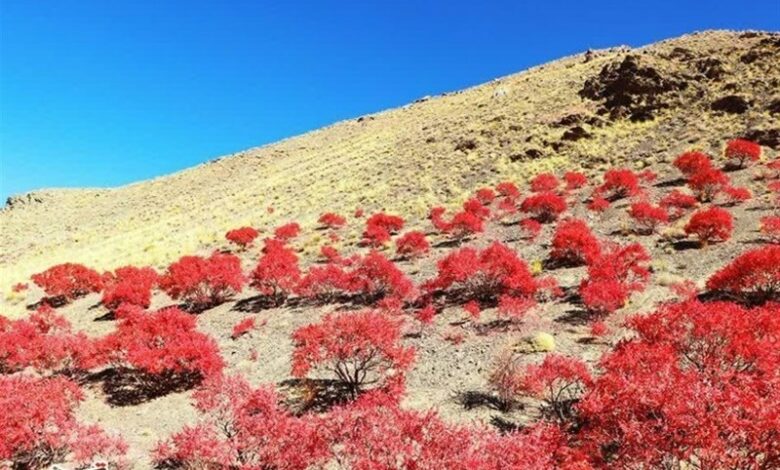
[618, 106]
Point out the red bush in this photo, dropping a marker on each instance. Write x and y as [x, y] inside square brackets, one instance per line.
[38, 426]
[462, 225]
[287, 232]
[573, 243]
[243, 237]
[710, 225]
[598, 204]
[330, 254]
[545, 207]
[677, 202]
[243, 327]
[359, 348]
[530, 229]
[484, 275]
[277, 273]
[375, 277]
[647, 176]
[739, 152]
[332, 221]
[477, 208]
[163, 344]
[735, 195]
[380, 227]
[20, 287]
[647, 216]
[544, 182]
[508, 189]
[506, 377]
[69, 281]
[325, 283]
[203, 282]
[412, 244]
[574, 180]
[770, 226]
[613, 276]
[485, 196]
[691, 163]
[618, 184]
[706, 184]
[753, 275]
[559, 381]
[129, 284]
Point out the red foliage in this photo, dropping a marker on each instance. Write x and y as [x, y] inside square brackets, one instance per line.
[647, 176]
[740, 152]
[544, 182]
[164, 344]
[736, 195]
[677, 202]
[770, 226]
[484, 275]
[20, 287]
[464, 223]
[530, 229]
[559, 381]
[203, 282]
[545, 207]
[426, 314]
[508, 190]
[473, 309]
[375, 277]
[647, 216]
[380, 227]
[574, 180]
[330, 254]
[44, 342]
[485, 196]
[710, 225]
[754, 275]
[613, 276]
[706, 184]
[38, 426]
[243, 327]
[277, 273]
[68, 281]
[359, 348]
[325, 283]
[506, 377]
[477, 208]
[412, 244]
[332, 221]
[598, 204]
[618, 183]
[574, 244]
[243, 237]
[129, 284]
[287, 232]
[697, 384]
[691, 163]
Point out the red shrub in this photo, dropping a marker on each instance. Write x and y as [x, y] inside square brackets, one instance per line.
[647, 216]
[325, 283]
[359, 348]
[203, 282]
[753, 275]
[426, 314]
[506, 377]
[462, 225]
[475, 207]
[647, 176]
[277, 273]
[544, 182]
[559, 381]
[770, 226]
[545, 207]
[287, 232]
[131, 285]
[38, 426]
[359, 213]
[164, 344]
[69, 281]
[485, 196]
[574, 180]
[691, 163]
[598, 204]
[613, 276]
[332, 221]
[484, 275]
[243, 237]
[706, 184]
[573, 243]
[330, 254]
[243, 327]
[380, 227]
[735, 195]
[677, 202]
[739, 152]
[374, 277]
[603, 296]
[710, 225]
[412, 244]
[618, 184]
[508, 190]
[473, 308]
[20, 287]
[530, 229]
[44, 342]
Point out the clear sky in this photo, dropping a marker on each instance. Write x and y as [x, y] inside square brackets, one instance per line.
[103, 93]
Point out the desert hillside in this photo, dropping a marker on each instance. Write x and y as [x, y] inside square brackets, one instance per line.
[593, 110]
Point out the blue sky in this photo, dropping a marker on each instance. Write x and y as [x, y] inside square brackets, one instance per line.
[97, 93]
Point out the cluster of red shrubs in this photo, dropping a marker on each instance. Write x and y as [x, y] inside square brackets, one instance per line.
[647, 216]
[752, 276]
[243, 237]
[203, 282]
[287, 232]
[332, 221]
[380, 227]
[277, 273]
[545, 207]
[412, 244]
[618, 184]
[68, 281]
[740, 152]
[613, 276]
[574, 244]
[463, 224]
[129, 285]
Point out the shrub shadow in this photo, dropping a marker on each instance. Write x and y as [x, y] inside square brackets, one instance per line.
[684, 245]
[124, 386]
[472, 399]
[671, 183]
[576, 317]
[314, 395]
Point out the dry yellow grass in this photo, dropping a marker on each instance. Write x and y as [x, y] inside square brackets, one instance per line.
[403, 161]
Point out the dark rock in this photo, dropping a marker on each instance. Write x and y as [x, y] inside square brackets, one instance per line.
[774, 106]
[711, 68]
[766, 137]
[575, 133]
[733, 104]
[530, 154]
[466, 145]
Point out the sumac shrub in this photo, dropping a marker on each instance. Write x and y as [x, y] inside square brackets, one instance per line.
[544, 182]
[691, 163]
[380, 227]
[203, 282]
[243, 237]
[332, 221]
[129, 284]
[710, 225]
[677, 203]
[734, 195]
[375, 277]
[754, 275]
[573, 243]
[647, 216]
[412, 244]
[359, 348]
[506, 377]
[486, 196]
[613, 276]
[574, 180]
[68, 281]
[544, 207]
[618, 183]
[508, 189]
[740, 152]
[706, 184]
[529, 229]
[287, 232]
[770, 227]
[559, 381]
[277, 272]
